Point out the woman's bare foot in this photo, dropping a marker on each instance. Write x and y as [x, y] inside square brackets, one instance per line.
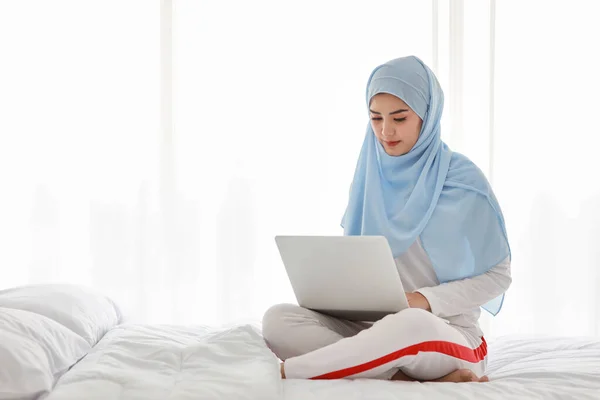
[401, 376]
[462, 375]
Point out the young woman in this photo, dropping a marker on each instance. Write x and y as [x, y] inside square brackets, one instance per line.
[447, 234]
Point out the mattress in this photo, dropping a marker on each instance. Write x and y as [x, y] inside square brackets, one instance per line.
[61, 342]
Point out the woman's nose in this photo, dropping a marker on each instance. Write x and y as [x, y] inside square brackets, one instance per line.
[387, 130]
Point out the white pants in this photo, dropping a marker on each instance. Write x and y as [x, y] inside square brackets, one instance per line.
[317, 346]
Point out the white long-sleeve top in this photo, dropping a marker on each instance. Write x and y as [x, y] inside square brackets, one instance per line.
[458, 302]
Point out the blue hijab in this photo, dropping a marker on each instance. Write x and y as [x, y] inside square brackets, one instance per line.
[430, 192]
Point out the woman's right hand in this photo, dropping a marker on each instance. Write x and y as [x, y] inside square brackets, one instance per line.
[417, 300]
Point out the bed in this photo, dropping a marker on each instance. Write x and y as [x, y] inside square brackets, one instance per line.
[60, 342]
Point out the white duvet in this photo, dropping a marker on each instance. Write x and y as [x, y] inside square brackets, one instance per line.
[63, 342]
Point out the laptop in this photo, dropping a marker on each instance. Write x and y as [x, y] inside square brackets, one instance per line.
[349, 277]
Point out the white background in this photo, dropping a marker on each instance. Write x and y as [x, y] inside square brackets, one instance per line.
[153, 150]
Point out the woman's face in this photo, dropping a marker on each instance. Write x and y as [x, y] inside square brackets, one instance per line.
[396, 125]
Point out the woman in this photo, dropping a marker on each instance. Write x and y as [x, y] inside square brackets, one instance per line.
[446, 232]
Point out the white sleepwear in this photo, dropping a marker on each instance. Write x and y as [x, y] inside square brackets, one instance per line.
[424, 345]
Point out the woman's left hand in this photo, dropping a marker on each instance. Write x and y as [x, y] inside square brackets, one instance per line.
[417, 300]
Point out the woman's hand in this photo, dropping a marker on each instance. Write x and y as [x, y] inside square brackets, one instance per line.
[417, 300]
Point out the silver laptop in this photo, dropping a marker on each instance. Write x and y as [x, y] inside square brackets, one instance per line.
[350, 277]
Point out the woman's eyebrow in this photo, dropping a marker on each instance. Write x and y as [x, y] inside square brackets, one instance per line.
[392, 113]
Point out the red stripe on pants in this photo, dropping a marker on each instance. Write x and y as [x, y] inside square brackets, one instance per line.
[438, 346]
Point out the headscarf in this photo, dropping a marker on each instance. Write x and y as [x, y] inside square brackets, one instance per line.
[429, 192]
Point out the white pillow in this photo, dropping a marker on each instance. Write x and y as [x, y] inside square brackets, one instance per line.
[34, 352]
[84, 311]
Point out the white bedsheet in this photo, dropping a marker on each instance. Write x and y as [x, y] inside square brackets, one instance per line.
[63, 343]
[153, 362]
[177, 363]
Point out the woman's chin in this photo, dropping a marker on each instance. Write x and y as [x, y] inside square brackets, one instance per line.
[394, 152]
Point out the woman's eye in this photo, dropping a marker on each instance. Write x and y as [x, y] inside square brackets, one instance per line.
[395, 119]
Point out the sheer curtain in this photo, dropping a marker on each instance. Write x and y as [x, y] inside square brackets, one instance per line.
[545, 168]
[152, 150]
[269, 117]
[79, 115]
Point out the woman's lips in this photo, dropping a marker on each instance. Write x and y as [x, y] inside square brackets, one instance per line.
[392, 144]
